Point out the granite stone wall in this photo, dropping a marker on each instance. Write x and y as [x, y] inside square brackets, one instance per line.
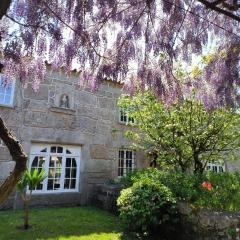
[91, 122]
[204, 224]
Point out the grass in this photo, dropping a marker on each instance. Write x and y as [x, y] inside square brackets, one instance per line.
[75, 223]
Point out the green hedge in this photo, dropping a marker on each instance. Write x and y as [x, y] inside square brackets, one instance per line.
[224, 195]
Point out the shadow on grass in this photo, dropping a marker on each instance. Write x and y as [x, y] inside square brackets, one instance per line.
[78, 223]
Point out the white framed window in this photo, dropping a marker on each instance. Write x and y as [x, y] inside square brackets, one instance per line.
[61, 165]
[216, 167]
[123, 116]
[6, 92]
[126, 161]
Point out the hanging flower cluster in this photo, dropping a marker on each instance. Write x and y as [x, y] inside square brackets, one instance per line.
[135, 41]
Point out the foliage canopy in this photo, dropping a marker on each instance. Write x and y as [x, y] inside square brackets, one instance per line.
[184, 135]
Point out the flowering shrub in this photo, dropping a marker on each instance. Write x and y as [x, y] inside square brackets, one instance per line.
[207, 185]
[146, 205]
[218, 191]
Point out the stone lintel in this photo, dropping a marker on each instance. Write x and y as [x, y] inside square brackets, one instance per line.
[67, 111]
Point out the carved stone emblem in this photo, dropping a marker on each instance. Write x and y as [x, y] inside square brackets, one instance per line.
[64, 101]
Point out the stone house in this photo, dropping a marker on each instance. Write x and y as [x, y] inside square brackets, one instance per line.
[76, 135]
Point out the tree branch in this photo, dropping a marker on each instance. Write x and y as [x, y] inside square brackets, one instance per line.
[220, 10]
[18, 155]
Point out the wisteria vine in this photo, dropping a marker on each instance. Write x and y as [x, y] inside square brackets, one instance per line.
[138, 42]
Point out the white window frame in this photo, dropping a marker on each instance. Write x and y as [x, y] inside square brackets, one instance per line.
[76, 153]
[12, 93]
[122, 113]
[215, 167]
[125, 168]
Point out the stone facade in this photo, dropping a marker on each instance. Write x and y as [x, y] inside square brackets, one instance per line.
[91, 122]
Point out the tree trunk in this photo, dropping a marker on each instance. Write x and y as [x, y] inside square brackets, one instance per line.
[4, 6]
[18, 155]
[26, 211]
[198, 166]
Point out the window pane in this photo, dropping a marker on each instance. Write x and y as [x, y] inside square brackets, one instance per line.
[54, 173]
[51, 163]
[121, 154]
[68, 152]
[51, 173]
[39, 187]
[120, 172]
[2, 89]
[56, 184]
[55, 161]
[129, 154]
[67, 172]
[66, 183]
[50, 184]
[1, 98]
[121, 163]
[7, 99]
[73, 184]
[8, 89]
[74, 173]
[41, 162]
[74, 164]
[68, 162]
[35, 162]
[5, 92]
[44, 150]
[57, 174]
[59, 149]
[128, 163]
[53, 149]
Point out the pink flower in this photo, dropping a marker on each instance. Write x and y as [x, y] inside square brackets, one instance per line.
[207, 185]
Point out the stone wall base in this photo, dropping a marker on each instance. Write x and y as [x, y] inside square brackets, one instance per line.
[203, 224]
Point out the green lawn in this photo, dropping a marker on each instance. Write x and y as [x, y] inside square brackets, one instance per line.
[77, 223]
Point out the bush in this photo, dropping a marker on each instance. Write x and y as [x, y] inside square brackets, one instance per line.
[224, 195]
[184, 186]
[146, 205]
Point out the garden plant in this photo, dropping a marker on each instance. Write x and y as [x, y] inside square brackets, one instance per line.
[28, 183]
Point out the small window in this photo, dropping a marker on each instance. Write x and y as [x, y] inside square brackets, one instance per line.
[126, 160]
[6, 92]
[216, 167]
[123, 116]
